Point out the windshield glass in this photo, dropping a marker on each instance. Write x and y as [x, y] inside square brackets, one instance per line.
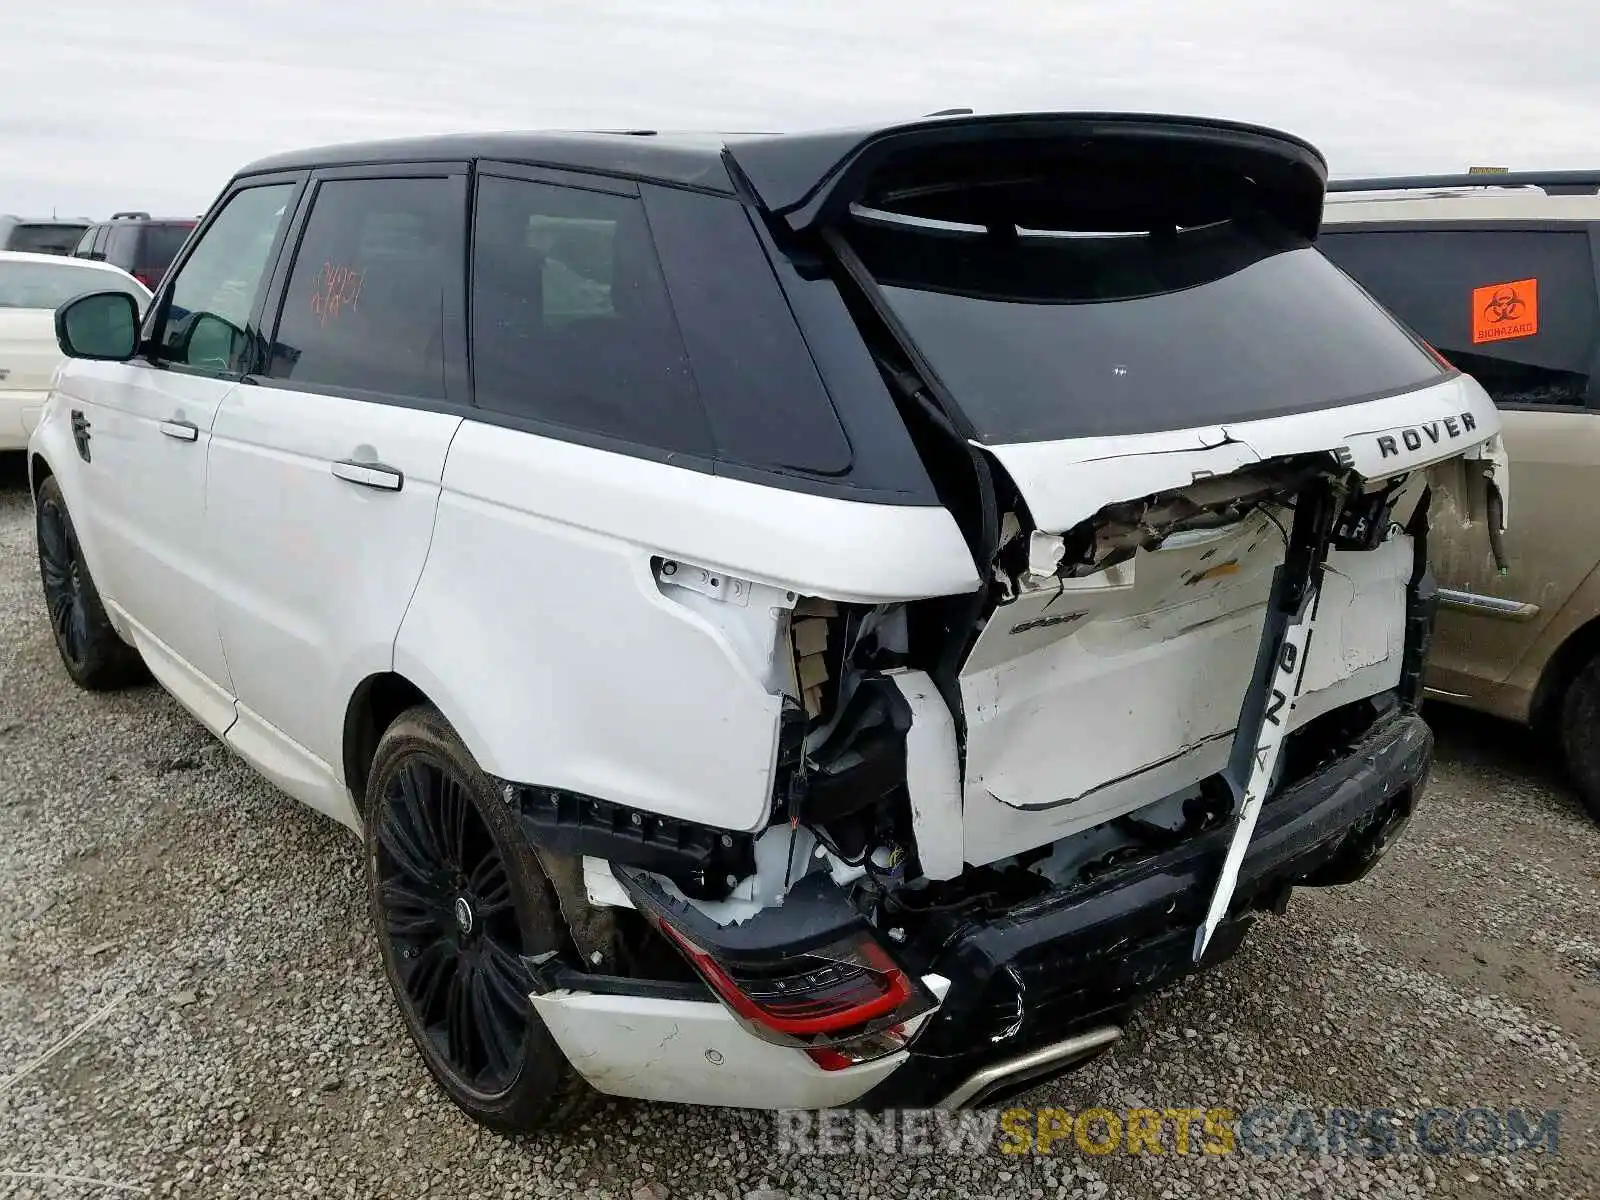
[1044, 335]
[46, 285]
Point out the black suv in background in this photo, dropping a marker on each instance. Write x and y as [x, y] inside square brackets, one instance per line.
[142, 245]
[42, 235]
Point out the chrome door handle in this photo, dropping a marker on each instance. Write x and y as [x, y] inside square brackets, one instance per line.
[183, 431]
[369, 474]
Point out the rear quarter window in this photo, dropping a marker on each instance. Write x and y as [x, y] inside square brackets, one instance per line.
[761, 390]
[1516, 308]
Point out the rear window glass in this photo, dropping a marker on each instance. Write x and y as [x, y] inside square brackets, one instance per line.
[45, 285]
[1046, 335]
[1516, 308]
[160, 245]
[37, 238]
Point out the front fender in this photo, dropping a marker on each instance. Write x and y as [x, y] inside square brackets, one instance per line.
[52, 445]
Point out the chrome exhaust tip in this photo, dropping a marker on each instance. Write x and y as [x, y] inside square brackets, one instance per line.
[1036, 1064]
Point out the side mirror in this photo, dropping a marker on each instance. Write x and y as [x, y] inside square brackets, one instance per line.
[207, 340]
[102, 326]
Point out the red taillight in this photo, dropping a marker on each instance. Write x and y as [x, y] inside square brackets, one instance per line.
[844, 988]
[148, 280]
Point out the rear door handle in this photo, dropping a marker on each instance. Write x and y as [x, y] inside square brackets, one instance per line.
[369, 474]
[183, 431]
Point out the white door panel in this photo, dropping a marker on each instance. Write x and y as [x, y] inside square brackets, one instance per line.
[209, 702]
[146, 498]
[316, 568]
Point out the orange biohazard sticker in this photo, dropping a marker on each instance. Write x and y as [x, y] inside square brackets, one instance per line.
[1505, 310]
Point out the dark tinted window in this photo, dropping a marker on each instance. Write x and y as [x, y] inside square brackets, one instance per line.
[761, 391]
[213, 294]
[41, 237]
[121, 245]
[159, 245]
[85, 243]
[570, 318]
[1044, 336]
[1516, 308]
[365, 305]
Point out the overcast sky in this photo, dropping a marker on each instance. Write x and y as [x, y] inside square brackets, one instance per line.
[151, 104]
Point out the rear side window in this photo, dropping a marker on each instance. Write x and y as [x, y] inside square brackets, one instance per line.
[1515, 308]
[85, 243]
[365, 305]
[571, 324]
[1039, 335]
[40, 237]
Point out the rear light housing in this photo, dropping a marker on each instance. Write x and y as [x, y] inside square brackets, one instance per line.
[845, 1002]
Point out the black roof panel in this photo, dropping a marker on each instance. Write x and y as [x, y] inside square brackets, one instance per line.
[792, 171]
[685, 159]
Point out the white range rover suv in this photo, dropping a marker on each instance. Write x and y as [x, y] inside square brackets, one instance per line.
[797, 620]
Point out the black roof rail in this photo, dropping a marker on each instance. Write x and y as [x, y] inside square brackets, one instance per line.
[1553, 183]
[130, 216]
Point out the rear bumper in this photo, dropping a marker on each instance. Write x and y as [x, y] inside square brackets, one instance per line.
[1067, 968]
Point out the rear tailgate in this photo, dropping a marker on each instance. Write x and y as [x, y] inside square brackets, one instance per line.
[1130, 320]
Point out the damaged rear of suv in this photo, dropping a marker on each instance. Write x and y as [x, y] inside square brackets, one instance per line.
[1190, 464]
[799, 620]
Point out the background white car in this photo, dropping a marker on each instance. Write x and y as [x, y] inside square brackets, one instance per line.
[31, 286]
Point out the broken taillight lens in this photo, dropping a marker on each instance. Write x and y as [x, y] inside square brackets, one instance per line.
[831, 996]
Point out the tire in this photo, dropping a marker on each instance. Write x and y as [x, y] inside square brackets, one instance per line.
[95, 656]
[457, 895]
[1580, 734]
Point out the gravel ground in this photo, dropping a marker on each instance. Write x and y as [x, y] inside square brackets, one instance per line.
[250, 1048]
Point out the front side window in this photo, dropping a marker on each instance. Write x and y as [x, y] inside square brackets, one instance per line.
[1057, 333]
[571, 323]
[213, 294]
[85, 243]
[366, 302]
[42, 285]
[1515, 308]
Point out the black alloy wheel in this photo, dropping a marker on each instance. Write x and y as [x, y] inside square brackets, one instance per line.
[459, 900]
[62, 577]
[449, 914]
[91, 650]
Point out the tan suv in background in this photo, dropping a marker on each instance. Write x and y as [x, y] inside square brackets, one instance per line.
[1498, 272]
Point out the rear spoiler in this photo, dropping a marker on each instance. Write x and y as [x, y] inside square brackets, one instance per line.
[1553, 183]
[810, 179]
